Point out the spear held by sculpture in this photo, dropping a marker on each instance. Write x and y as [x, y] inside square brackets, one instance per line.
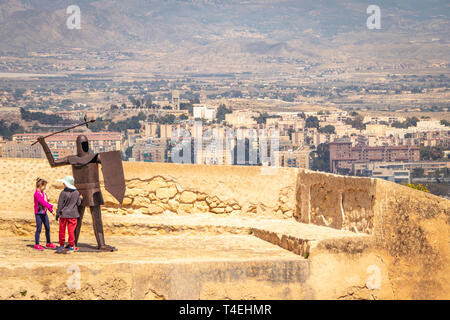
[86, 122]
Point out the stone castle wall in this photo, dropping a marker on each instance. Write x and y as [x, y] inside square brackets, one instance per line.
[335, 201]
[341, 202]
[156, 188]
[410, 229]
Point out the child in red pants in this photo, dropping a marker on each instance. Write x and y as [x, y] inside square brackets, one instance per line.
[67, 212]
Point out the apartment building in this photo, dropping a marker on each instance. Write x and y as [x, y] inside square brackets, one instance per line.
[241, 118]
[2, 143]
[17, 149]
[428, 167]
[394, 172]
[294, 158]
[397, 171]
[343, 154]
[150, 150]
[204, 112]
[430, 138]
[151, 129]
[64, 144]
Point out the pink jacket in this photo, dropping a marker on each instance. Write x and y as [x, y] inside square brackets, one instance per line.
[41, 200]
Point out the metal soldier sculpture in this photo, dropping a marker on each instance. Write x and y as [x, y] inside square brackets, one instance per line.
[86, 175]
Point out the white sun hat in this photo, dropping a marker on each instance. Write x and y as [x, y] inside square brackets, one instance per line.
[68, 182]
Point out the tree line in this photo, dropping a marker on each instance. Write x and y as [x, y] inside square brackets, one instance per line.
[44, 118]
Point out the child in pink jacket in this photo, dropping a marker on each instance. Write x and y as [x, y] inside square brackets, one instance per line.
[41, 205]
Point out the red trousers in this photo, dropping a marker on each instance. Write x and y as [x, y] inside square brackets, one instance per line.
[71, 224]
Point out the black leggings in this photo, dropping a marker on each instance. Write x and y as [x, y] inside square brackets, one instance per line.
[42, 219]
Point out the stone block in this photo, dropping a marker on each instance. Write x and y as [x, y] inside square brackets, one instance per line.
[218, 210]
[152, 209]
[201, 206]
[185, 207]
[166, 193]
[188, 197]
[173, 204]
[141, 201]
[156, 183]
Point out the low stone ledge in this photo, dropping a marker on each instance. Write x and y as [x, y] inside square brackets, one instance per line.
[157, 267]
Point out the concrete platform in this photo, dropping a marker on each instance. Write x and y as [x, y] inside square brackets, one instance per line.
[156, 267]
[196, 256]
[286, 233]
[154, 249]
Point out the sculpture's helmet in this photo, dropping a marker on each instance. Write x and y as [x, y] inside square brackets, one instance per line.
[82, 145]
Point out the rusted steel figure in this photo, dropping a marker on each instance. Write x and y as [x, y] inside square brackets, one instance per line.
[86, 175]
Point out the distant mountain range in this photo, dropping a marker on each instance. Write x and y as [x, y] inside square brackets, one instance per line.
[297, 29]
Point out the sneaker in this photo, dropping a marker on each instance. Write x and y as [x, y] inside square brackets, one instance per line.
[61, 250]
[73, 249]
[51, 245]
[38, 247]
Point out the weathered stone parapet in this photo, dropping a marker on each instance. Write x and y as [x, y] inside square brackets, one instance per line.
[405, 217]
[162, 195]
[155, 188]
[366, 205]
[413, 229]
[410, 230]
[167, 188]
[335, 201]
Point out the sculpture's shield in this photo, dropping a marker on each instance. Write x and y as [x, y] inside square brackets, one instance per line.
[113, 176]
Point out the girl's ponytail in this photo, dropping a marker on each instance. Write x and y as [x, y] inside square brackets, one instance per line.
[40, 182]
